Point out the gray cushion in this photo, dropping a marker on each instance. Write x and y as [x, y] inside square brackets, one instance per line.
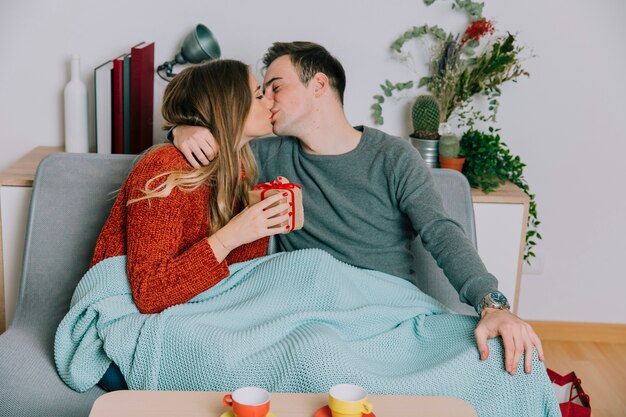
[457, 201]
[70, 202]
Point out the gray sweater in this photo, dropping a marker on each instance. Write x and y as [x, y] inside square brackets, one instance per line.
[366, 206]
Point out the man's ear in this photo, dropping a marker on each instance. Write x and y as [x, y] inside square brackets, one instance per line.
[321, 84]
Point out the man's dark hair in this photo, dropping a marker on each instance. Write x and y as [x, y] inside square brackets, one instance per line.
[309, 58]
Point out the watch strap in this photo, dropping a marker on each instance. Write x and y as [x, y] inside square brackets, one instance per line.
[494, 299]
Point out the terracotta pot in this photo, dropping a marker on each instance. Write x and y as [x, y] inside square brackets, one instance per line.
[452, 163]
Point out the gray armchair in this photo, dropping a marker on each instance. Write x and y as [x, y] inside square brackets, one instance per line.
[71, 199]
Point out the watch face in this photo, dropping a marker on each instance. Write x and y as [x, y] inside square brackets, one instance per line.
[498, 298]
[493, 300]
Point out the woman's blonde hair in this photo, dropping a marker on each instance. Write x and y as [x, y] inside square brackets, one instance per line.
[215, 95]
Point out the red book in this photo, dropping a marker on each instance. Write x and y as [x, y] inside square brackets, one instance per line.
[141, 96]
[117, 105]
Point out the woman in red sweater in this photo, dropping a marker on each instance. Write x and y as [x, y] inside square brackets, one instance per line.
[180, 226]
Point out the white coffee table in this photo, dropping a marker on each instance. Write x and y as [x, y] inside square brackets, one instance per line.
[209, 404]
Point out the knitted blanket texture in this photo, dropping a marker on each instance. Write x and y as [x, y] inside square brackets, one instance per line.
[300, 321]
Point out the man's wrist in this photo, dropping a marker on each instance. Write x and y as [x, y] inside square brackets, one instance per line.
[488, 310]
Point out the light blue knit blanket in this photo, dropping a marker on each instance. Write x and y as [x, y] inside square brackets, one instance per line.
[292, 322]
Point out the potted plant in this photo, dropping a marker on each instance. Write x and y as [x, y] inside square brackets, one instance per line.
[449, 153]
[426, 116]
[463, 67]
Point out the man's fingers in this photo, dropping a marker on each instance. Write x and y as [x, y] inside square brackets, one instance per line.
[528, 356]
[199, 154]
[481, 341]
[537, 342]
[204, 140]
[520, 343]
[509, 350]
[208, 150]
[190, 157]
[518, 339]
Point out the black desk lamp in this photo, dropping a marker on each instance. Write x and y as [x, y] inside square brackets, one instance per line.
[200, 45]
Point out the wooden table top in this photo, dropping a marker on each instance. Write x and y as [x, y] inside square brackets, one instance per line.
[209, 404]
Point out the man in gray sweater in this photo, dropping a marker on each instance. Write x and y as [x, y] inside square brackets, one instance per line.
[366, 194]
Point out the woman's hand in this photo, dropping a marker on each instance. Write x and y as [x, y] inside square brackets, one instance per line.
[255, 222]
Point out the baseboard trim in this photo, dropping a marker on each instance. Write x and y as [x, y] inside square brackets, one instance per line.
[580, 332]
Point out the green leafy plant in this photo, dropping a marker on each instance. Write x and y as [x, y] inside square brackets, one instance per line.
[459, 81]
[458, 72]
[488, 164]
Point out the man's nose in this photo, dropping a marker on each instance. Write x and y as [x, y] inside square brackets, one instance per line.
[269, 101]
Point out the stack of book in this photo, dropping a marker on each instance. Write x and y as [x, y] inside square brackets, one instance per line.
[124, 94]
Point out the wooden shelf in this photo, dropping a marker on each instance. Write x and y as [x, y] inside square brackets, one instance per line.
[22, 172]
[506, 193]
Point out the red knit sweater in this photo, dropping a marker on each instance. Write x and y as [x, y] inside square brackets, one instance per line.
[170, 260]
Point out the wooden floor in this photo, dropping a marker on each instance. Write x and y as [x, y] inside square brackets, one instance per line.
[601, 368]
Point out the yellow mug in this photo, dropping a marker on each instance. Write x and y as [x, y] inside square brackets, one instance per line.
[348, 400]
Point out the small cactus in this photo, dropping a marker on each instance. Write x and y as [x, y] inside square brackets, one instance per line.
[426, 116]
[449, 146]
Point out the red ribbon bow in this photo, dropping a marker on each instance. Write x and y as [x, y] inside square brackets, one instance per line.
[275, 185]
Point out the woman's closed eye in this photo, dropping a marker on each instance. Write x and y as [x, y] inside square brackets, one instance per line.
[258, 93]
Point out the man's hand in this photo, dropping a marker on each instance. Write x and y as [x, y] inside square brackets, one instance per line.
[196, 143]
[517, 337]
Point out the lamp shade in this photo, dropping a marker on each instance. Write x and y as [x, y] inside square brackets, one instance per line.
[198, 46]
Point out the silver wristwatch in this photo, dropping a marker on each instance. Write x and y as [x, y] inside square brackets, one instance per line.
[494, 299]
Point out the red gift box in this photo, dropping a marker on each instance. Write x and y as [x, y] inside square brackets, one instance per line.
[572, 399]
[294, 198]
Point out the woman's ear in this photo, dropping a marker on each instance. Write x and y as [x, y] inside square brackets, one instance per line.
[321, 84]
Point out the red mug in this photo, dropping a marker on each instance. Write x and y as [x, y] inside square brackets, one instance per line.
[248, 402]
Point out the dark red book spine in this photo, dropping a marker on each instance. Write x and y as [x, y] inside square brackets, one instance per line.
[117, 105]
[141, 97]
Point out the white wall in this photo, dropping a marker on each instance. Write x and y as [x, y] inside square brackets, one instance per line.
[563, 121]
